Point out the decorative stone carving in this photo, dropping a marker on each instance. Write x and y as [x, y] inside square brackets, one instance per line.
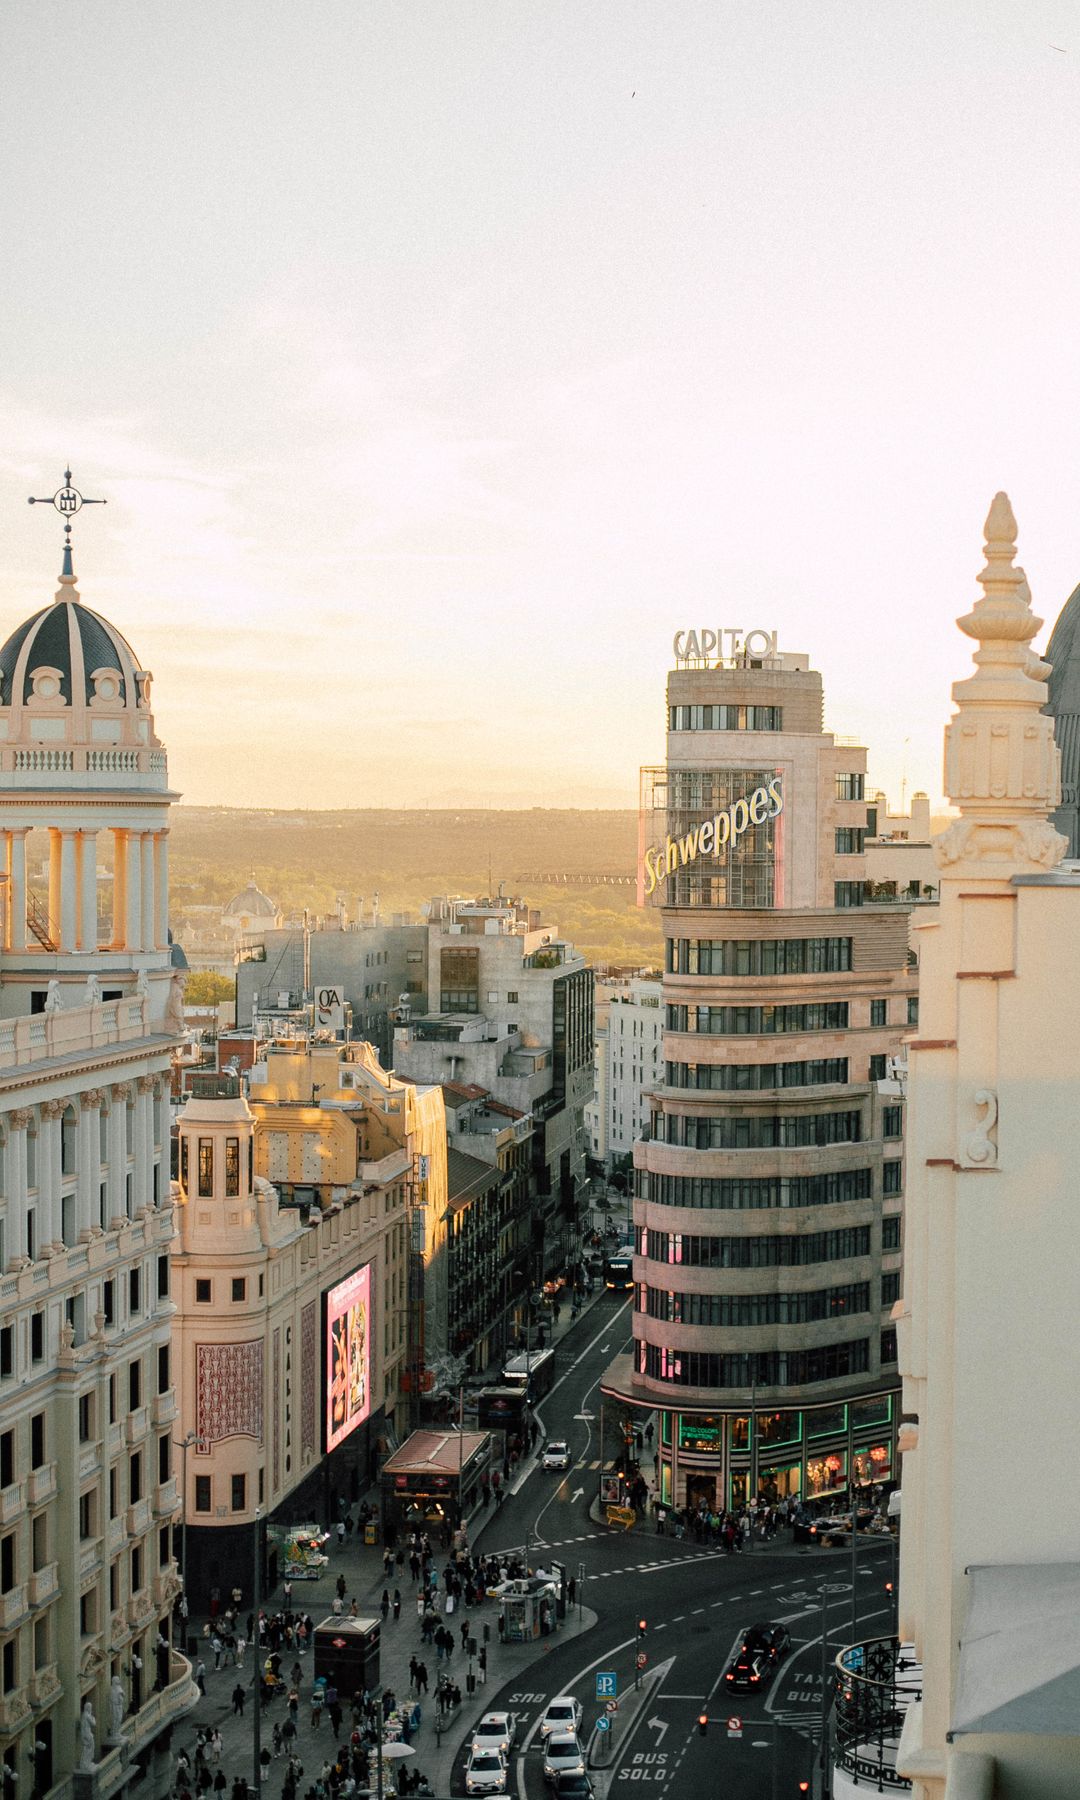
[53, 1002]
[1002, 767]
[174, 1007]
[980, 1149]
[92, 990]
[93, 1097]
[121, 1090]
[87, 1736]
[21, 1119]
[146, 1084]
[117, 1708]
[54, 1109]
[142, 985]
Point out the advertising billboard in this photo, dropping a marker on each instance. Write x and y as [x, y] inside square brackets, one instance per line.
[347, 1337]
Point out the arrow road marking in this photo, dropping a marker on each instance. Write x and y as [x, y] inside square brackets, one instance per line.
[576, 1495]
[660, 1727]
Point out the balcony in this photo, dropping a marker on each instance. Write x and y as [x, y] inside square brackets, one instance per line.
[12, 1608]
[138, 1519]
[164, 1408]
[44, 1686]
[876, 1682]
[165, 1498]
[11, 1503]
[137, 1426]
[14, 1711]
[164, 1705]
[41, 1484]
[43, 1585]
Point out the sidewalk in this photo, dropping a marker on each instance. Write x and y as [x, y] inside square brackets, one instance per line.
[362, 1567]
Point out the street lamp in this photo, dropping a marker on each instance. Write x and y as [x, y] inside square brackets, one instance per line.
[827, 1588]
[256, 1711]
[184, 1446]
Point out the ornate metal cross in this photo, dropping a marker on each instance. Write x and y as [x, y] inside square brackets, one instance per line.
[67, 501]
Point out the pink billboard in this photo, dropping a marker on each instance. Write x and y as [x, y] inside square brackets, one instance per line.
[348, 1355]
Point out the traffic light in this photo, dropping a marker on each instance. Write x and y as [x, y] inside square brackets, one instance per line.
[642, 1628]
[804, 1787]
[703, 1724]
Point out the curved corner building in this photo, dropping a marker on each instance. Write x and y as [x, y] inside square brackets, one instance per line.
[769, 1186]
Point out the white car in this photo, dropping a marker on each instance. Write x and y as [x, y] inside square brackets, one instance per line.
[496, 1731]
[556, 1455]
[562, 1755]
[564, 1714]
[485, 1772]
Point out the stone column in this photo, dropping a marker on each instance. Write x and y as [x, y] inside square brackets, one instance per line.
[144, 1141]
[119, 905]
[118, 1157]
[55, 884]
[87, 865]
[17, 889]
[18, 1124]
[161, 888]
[69, 892]
[50, 1222]
[148, 911]
[88, 1162]
[133, 886]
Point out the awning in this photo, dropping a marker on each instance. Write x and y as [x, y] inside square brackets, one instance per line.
[1020, 1652]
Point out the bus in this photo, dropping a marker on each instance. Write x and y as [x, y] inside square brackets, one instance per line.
[533, 1372]
[619, 1267]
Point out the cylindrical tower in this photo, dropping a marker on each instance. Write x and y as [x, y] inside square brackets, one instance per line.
[768, 1190]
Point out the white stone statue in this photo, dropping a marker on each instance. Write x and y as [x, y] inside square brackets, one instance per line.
[174, 1010]
[142, 985]
[87, 1736]
[92, 991]
[117, 1707]
[52, 997]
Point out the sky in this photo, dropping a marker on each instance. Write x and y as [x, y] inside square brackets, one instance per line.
[439, 361]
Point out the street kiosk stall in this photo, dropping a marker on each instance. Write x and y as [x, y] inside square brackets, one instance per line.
[347, 1654]
[432, 1480]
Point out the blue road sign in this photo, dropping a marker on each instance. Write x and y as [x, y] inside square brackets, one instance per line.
[603, 1723]
[607, 1684]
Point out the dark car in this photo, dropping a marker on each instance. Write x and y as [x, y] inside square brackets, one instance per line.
[773, 1641]
[572, 1787]
[750, 1669]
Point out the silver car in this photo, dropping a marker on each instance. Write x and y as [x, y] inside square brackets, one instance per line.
[563, 1714]
[563, 1755]
[496, 1731]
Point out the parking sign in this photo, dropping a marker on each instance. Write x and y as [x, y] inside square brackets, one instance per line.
[607, 1684]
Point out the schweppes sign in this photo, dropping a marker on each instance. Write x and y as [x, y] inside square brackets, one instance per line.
[714, 835]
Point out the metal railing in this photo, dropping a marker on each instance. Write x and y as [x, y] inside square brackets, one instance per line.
[875, 1685]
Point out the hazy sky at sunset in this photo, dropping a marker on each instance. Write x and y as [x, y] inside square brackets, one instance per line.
[440, 360]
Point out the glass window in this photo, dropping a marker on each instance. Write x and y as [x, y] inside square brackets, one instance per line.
[892, 1122]
[826, 1420]
[879, 1012]
[826, 1473]
[890, 1232]
[202, 1293]
[232, 1167]
[239, 1287]
[888, 1345]
[202, 1493]
[239, 1490]
[206, 1168]
[848, 893]
[892, 1176]
[877, 1068]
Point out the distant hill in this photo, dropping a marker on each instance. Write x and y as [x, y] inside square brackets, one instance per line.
[586, 860]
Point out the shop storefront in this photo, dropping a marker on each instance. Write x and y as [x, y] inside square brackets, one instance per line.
[721, 1459]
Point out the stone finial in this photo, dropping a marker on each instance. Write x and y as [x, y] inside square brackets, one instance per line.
[1001, 762]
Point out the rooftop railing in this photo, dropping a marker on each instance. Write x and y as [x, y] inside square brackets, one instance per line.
[876, 1682]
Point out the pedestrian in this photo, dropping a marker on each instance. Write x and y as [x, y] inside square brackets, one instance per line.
[465, 1634]
[241, 1646]
[200, 1676]
[648, 1433]
[216, 1746]
[339, 1587]
[384, 1604]
[341, 1533]
[421, 1678]
[571, 1591]
[276, 1734]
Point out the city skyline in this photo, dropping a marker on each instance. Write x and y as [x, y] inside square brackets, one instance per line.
[439, 368]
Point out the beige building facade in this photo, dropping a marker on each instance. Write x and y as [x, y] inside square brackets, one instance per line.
[770, 1179]
[988, 1588]
[89, 1015]
[299, 1202]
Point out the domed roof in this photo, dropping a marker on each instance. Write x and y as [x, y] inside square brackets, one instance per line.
[1063, 705]
[88, 655]
[253, 901]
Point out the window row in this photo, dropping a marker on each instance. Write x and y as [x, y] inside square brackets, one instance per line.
[849, 840]
[75, 1306]
[758, 1021]
[747, 1077]
[730, 1195]
[754, 1252]
[726, 718]
[754, 1309]
[772, 1368]
[759, 1131]
[851, 787]
[758, 956]
[205, 1158]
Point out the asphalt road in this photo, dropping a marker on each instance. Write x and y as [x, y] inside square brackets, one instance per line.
[695, 1602]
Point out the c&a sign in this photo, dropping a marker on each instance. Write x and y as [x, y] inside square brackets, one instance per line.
[715, 835]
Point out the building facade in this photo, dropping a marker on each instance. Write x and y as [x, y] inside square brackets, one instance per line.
[628, 1064]
[281, 972]
[268, 1278]
[770, 1179]
[992, 1282]
[511, 1011]
[89, 1015]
